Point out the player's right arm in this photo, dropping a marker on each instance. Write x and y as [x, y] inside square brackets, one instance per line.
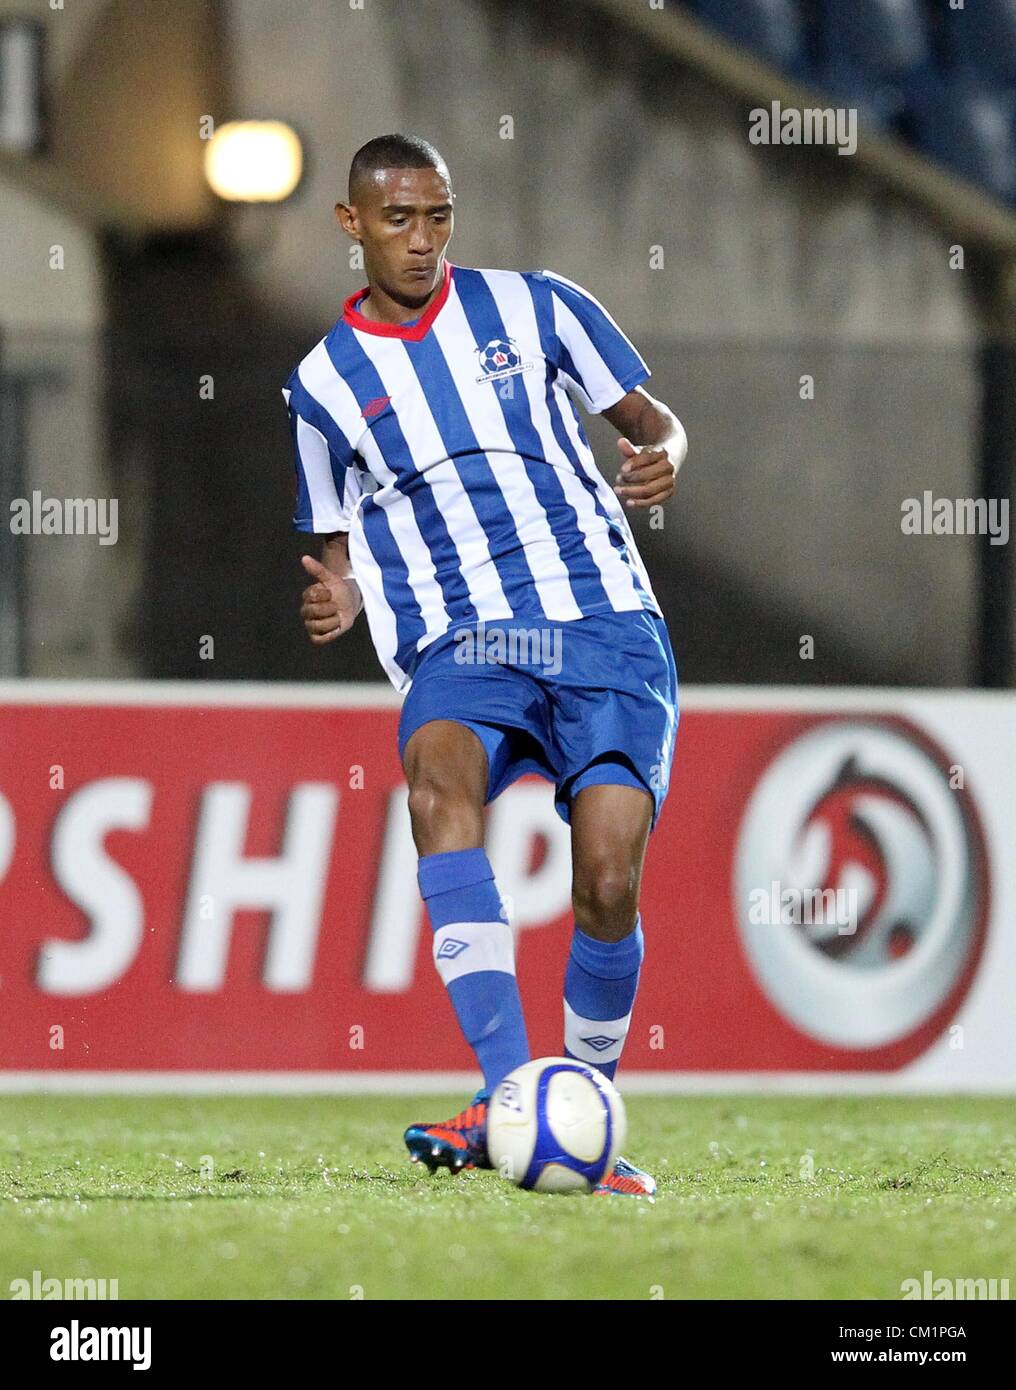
[331, 603]
[327, 490]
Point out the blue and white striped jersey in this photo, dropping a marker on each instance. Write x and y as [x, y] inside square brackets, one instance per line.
[451, 451]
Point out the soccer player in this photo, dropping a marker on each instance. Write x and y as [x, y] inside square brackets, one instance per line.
[440, 455]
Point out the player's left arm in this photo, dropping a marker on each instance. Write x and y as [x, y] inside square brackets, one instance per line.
[653, 446]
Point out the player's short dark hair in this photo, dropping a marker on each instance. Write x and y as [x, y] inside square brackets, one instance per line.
[393, 152]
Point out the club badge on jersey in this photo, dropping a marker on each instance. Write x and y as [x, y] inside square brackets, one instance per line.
[501, 358]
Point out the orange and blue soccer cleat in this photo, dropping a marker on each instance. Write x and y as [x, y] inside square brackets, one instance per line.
[625, 1180]
[458, 1143]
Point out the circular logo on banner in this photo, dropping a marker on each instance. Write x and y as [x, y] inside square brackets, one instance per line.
[860, 884]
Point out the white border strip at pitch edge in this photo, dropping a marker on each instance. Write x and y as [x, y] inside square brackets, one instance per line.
[376, 695]
[423, 1082]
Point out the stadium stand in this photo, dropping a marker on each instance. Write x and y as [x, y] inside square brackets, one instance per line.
[943, 79]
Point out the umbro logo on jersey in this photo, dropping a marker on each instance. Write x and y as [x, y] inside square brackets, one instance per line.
[501, 358]
[376, 406]
[450, 948]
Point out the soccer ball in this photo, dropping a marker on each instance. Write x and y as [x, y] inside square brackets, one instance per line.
[555, 1125]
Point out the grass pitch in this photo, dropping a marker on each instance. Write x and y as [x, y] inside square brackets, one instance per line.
[312, 1197]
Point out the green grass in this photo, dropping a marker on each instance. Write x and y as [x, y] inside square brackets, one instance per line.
[312, 1197]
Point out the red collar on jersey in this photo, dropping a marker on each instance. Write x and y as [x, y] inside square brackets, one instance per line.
[355, 319]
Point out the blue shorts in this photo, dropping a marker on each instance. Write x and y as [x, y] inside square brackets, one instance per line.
[585, 702]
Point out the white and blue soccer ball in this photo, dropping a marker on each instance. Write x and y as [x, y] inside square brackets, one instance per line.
[555, 1125]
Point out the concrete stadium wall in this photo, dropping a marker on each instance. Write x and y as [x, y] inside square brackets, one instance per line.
[126, 86]
[776, 263]
[737, 270]
[51, 316]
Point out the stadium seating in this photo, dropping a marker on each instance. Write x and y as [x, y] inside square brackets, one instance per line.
[943, 78]
[982, 36]
[969, 126]
[770, 28]
[885, 38]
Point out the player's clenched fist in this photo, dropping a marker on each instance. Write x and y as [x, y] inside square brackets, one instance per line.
[330, 605]
[647, 475]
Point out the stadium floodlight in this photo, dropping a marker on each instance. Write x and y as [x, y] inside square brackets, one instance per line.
[254, 161]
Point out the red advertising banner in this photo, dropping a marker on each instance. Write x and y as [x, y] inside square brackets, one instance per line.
[232, 888]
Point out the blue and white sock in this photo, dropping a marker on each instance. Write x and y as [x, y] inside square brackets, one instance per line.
[474, 952]
[599, 994]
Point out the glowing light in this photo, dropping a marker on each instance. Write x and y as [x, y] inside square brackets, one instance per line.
[254, 161]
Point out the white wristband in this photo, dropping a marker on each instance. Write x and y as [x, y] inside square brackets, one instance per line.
[359, 591]
[676, 444]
